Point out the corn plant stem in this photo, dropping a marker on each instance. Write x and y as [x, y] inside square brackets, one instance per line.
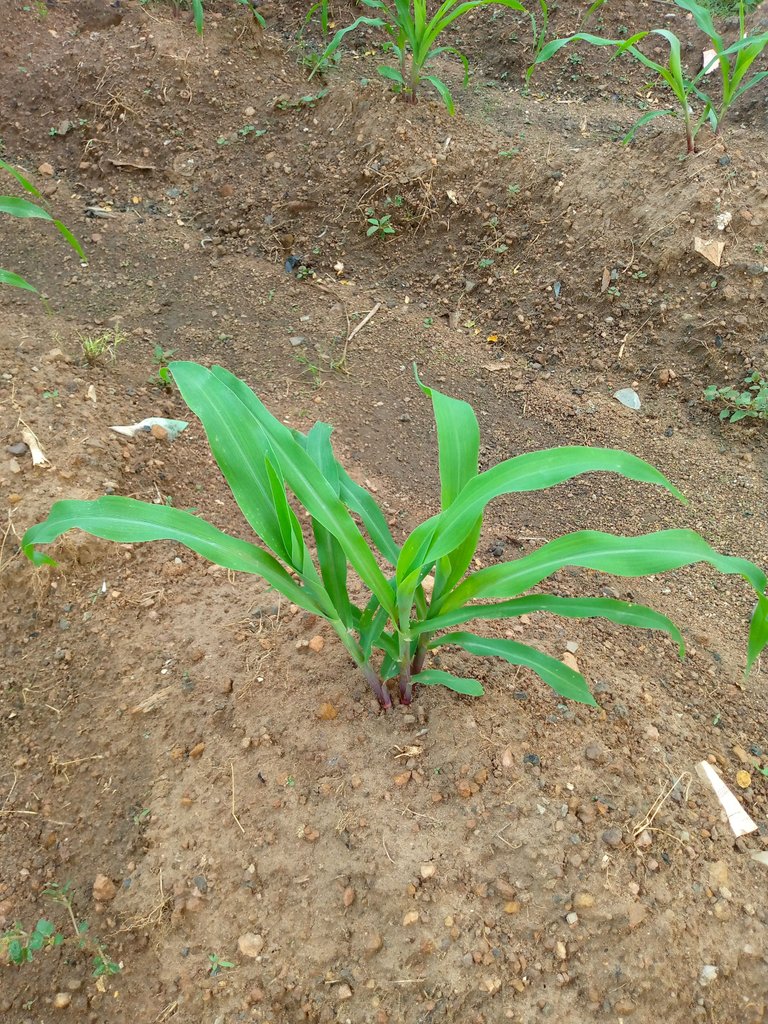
[379, 690]
[406, 687]
[420, 654]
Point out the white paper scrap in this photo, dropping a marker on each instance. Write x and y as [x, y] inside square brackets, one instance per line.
[740, 822]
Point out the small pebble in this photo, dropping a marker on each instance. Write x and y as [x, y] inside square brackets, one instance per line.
[612, 837]
[250, 944]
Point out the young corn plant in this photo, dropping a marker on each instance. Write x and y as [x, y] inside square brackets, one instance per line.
[734, 63]
[413, 35]
[24, 209]
[420, 591]
[198, 13]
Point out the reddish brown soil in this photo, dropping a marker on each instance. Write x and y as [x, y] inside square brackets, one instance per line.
[167, 725]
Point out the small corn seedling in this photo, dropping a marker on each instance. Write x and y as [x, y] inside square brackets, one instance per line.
[738, 404]
[734, 63]
[412, 38]
[198, 13]
[419, 590]
[17, 206]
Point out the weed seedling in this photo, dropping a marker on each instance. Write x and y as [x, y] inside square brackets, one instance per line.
[161, 376]
[20, 945]
[418, 592]
[750, 403]
[216, 964]
[381, 226]
[94, 346]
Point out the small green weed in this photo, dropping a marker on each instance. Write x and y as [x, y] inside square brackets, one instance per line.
[161, 376]
[94, 346]
[303, 101]
[381, 226]
[750, 403]
[216, 964]
[20, 946]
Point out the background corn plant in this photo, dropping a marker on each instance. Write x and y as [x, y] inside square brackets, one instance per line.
[733, 62]
[419, 590]
[413, 35]
[198, 13]
[24, 209]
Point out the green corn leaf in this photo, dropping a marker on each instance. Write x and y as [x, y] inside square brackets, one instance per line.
[703, 19]
[646, 555]
[330, 554]
[26, 185]
[68, 237]
[129, 521]
[394, 76]
[457, 53]
[8, 277]
[621, 612]
[621, 556]
[458, 439]
[359, 501]
[197, 12]
[530, 472]
[459, 684]
[334, 44]
[651, 115]
[236, 422]
[443, 91]
[23, 208]
[292, 548]
[564, 680]
[236, 439]
[753, 81]
[555, 45]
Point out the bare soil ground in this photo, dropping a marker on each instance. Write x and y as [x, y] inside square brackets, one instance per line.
[168, 726]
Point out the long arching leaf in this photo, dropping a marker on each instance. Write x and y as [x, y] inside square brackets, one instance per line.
[530, 472]
[563, 679]
[621, 556]
[8, 277]
[621, 612]
[129, 521]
